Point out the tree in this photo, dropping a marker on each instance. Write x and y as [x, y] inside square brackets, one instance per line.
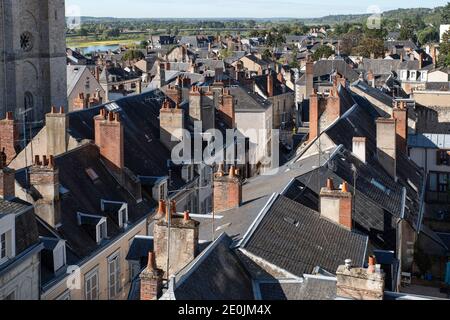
[267, 55]
[83, 32]
[369, 47]
[407, 31]
[429, 34]
[323, 52]
[446, 14]
[444, 50]
[131, 55]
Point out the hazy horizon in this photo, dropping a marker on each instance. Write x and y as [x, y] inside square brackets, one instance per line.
[232, 9]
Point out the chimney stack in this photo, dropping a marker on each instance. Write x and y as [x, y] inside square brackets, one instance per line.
[269, 84]
[7, 178]
[57, 124]
[386, 144]
[227, 190]
[309, 76]
[360, 283]
[175, 93]
[314, 116]
[183, 242]
[360, 148]
[44, 178]
[337, 205]
[151, 280]
[109, 137]
[171, 125]
[400, 114]
[9, 136]
[227, 109]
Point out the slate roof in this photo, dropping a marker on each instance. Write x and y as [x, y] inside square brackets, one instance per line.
[216, 274]
[73, 76]
[296, 239]
[140, 247]
[145, 155]
[429, 141]
[26, 234]
[247, 101]
[374, 93]
[311, 288]
[324, 68]
[72, 175]
[278, 87]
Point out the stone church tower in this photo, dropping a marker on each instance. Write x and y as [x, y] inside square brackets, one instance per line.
[32, 57]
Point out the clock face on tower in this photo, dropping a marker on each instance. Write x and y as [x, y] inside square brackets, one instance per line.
[26, 41]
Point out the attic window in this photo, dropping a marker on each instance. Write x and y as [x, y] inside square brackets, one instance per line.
[292, 221]
[92, 174]
[59, 256]
[381, 186]
[112, 107]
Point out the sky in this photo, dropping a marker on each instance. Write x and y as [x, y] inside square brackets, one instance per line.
[235, 8]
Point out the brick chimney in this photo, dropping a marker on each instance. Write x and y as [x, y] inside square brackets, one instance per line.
[44, 180]
[360, 148]
[360, 283]
[57, 124]
[269, 84]
[386, 144]
[337, 204]
[151, 280]
[161, 213]
[227, 109]
[109, 137]
[175, 93]
[171, 124]
[184, 233]
[9, 136]
[7, 178]
[314, 116]
[309, 76]
[97, 73]
[227, 190]
[400, 114]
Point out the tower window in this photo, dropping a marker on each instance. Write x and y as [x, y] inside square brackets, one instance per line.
[26, 41]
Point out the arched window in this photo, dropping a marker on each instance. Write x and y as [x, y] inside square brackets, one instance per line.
[28, 100]
[26, 41]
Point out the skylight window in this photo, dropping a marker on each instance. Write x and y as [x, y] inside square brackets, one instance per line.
[92, 174]
[292, 221]
[381, 186]
[112, 107]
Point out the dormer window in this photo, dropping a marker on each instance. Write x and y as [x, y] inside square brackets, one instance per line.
[117, 210]
[96, 226]
[102, 233]
[54, 253]
[59, 256]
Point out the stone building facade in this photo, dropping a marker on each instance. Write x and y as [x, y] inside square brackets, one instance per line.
[32, 57]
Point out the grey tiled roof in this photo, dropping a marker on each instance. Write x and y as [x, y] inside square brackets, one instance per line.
[296, 239]
[217, 274]
[315, 288]
[429, 141]
[12, 206]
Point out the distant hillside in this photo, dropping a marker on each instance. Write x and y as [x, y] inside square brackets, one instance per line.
[427, 14]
